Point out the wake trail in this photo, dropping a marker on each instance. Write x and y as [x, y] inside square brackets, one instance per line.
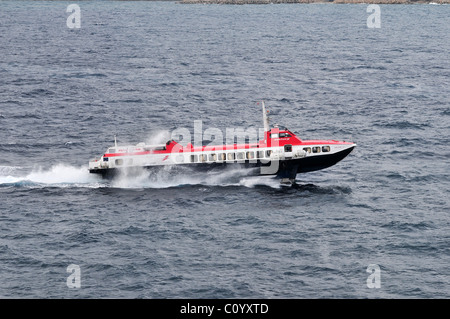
[57, 175]
[63, 175]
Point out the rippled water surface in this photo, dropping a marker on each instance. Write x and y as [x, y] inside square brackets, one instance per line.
[142, 69]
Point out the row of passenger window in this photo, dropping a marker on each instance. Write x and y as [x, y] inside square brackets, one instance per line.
[317, 149]
[230, 156]
[234, 156]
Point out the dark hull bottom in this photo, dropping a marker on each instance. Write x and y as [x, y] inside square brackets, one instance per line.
[285, 169]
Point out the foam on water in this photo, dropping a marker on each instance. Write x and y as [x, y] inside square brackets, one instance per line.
[63, 175]
[166, 178]
[57, 175]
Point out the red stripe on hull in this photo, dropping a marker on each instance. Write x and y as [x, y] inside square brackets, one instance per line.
[225, 148]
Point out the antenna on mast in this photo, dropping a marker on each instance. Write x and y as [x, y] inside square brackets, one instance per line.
[265, 118]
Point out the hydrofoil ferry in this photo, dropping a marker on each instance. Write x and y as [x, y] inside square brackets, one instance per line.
[281, 153]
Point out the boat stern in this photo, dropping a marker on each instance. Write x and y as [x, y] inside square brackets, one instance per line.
[97, 165]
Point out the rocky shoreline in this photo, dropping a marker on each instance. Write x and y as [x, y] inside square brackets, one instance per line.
[313, 1]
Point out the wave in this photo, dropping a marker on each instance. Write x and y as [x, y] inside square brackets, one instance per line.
[169, 177]
[59, 175]
[63, 175]
[66, 176]
[403, 125]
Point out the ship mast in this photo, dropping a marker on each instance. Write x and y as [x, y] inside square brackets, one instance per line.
[265, 118]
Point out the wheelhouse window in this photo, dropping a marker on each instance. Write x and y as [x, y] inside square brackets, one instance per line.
[316, 149]
[307, 149]
[285, 135]
[274, 135]
[112, 150]
[325, 148]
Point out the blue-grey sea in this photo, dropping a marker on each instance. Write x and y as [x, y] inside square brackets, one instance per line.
[140, 70]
